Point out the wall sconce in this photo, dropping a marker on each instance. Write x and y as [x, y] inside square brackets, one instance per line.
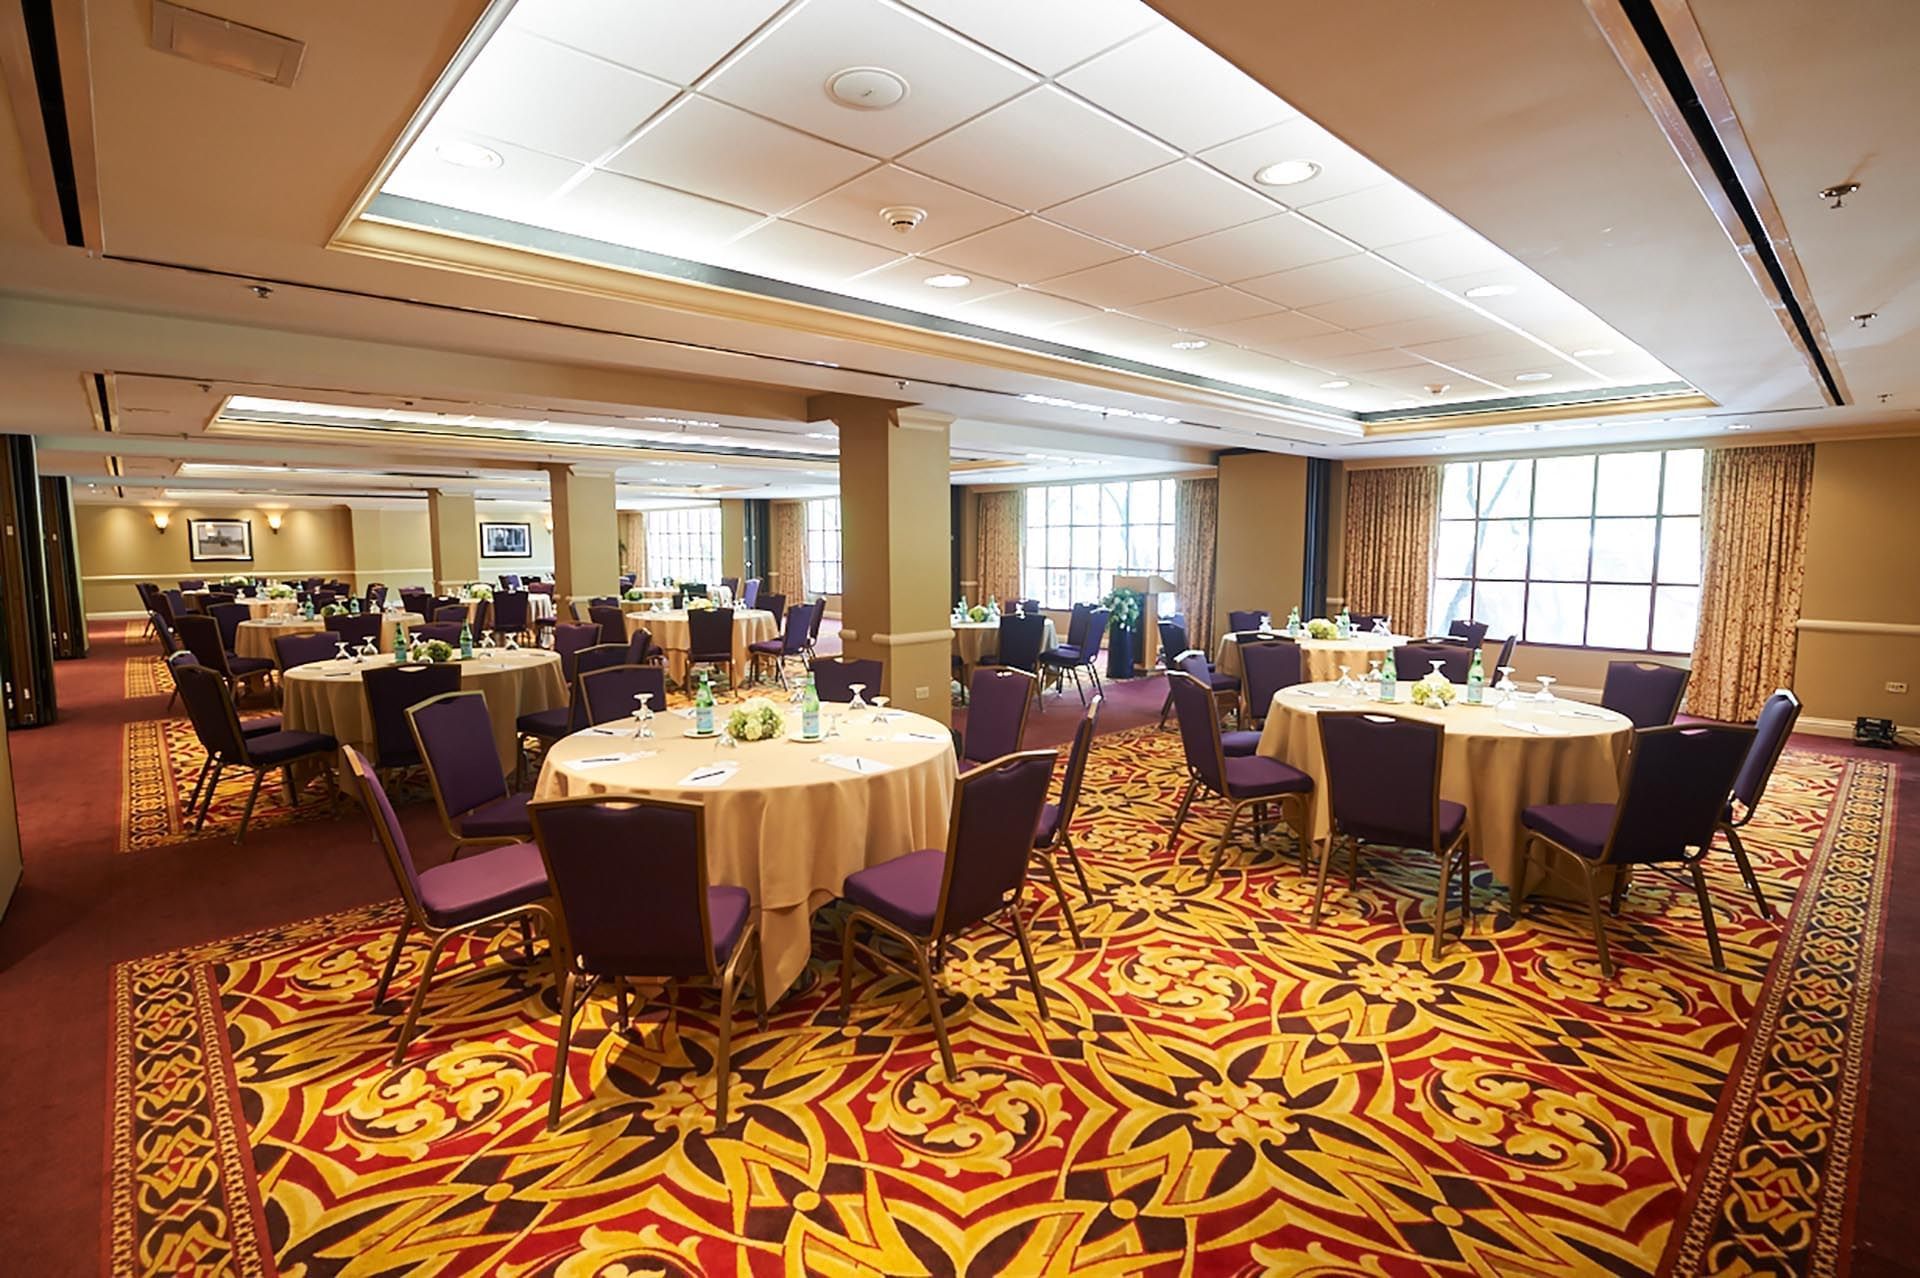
[548, 520]
[160, 520]
[273, 521]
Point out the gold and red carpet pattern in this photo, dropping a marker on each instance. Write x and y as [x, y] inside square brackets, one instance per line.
[147, 677]
[1218, 1090]
[162, 759]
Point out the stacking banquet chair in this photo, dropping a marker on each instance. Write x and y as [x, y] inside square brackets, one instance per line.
[922, 898]
[1647, 692]
[1505, 658]
[1775, 725]
[819, 615]
[389, 690]
[1269, 665]
[1383, 787]
[833, 678]
[376, 596]
[548, 726]
[569, 639]
[612, 693]
[602, 601]
[510, 613]
[454, 735]
[176, 605]
[710, 640]
[444, 631]
[147, 591]
[209, 704]
[791, 643]
[1248, 620]
[1679, 782]
[1173, 652]
[170, 648]
[611, 620]
[1472, 633]
[454, 612]
[488, 889]
[1077, 625]
[1243, 780]
[997, 701]
[356, 630]
[258, 725]
[1056, 819]
[1240, 742]
[775, 604]
[1413, 661]
[1364, 622]
[306, 648]
[732, 584]
[630, 899]
[640, 649]
[191, 583]
[201, 637]
[164, 605]
[1080, 657]
[1019, 643]
[509, 581]
[750, 594]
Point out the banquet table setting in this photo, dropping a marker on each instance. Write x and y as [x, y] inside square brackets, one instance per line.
[669, 629]
[975, 641]
[255, 638]
[1320, 659]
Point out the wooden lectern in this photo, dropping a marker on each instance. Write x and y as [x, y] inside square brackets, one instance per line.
[1150, 587]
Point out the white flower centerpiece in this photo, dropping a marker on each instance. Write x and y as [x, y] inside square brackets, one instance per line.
[236, 579]
[699, 603]
[756, 719]
[279, 591]
[479, 591]
[1434, 690]
[634, 594]
[1321, 628]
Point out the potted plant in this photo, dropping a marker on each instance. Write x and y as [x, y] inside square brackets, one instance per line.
[1123, 624]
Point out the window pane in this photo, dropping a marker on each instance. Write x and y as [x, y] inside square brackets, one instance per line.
[1087, 586]
[1146, 502]
[1563, 486]
[1560, 550]
[1036, 506]
[1629, 484]
[1448, 600]
[1683, 487]
[1086, 545]
[1556, 614]
[1501, 604]
[1676, 615]
[1035, 555]
[1617, 616]
[1113, 547]
[1680, 550]
[1457, 489]
[1455, 553]
[1059, 505]
[1058, 546]
[1503, 548]
[1623, 549]
[1086, 503]
[1506, 487]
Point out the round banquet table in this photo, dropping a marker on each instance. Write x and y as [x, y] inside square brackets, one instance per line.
[669, 630]
[1321, 659]
[975, 640]
[326, 696]
[1497, 760]
[786, 825]
[255, 638]
[258, 608]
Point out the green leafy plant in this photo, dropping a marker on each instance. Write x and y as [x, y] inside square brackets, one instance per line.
[280, 592]
[755, 719]
[1321, 628]
[1125, 606]
[438, 650]
[479, 592]
[634, 595]
[333, 610]
[977, 613]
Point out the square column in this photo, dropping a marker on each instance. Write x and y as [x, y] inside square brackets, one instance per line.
[586, 534]
[453, 533]
[896, 538]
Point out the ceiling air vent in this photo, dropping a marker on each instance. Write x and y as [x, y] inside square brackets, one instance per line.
[230, 46]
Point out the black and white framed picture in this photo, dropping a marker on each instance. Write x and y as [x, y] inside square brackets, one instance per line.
[213, 540]
[506, 541]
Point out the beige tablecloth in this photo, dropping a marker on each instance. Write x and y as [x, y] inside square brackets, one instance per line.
[1321, 659]
[669, 630]
[1492, 763]
[974, 640]
[786, 826]
[326, 696]
[258, 608]
[255, 638]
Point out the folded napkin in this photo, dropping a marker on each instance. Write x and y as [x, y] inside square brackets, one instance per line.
[920, 736]
[853, 763]
[1538, 729]
[608, 760]
[710, 776]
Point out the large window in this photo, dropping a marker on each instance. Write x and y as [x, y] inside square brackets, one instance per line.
[1080, 535]
[684, 544]
[1595, 551]
[823, 546]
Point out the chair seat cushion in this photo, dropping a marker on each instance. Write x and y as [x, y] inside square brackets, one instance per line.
[241, 667]
[1224, 682]
[727, 909]
[1453, 817]
[482, 883]
[1048, 827]
[1239, 744]
[904, 891]
[260, 726]
[502, 816]
[1066, 654]
[773, 646]
[549, 725]
[270, 749]
[1581, 828]
[1254, 776]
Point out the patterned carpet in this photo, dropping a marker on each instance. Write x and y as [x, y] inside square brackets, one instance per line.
[1219, 1091]
[147, 677]
[162, 759]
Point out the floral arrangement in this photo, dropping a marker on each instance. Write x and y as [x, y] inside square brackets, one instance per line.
[977, 613]
[236, 579]
[699, 603]
[478, 591]
[437, 650]
[334, 610]
[1321, 628]
[279, 592]
[1124, 606]
[1434, 690]
[634, 594]
[755, 719]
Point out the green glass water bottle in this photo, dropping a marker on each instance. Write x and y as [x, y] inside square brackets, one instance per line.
[703, 708]
[466, 641]
[400, 642]
[1346, 623]
[1476, 680]
[1293, 622]
[810, 710]
[1388, 679]
[353, 606]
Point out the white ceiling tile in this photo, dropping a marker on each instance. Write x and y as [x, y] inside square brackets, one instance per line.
[1127, 282]
[1455, 253]
[1437, 328]
[1029, 249]
[1265, 372]
[1485, 348]
[801, 254]
[1048, 37]
[1175, 202]
[1306, 350]
[724, 153]
[1039, 149]
[623, 210]
[1176, 88]
[515, 190]
[1208, 306]
[1024, 310]
[784, 75]
[1118, 335]
[1381, 215]
[1326, 281]
[1342, 169]
[1265, 330]
[668, 38]
[905, 284]
[603, 103]
[854, 209]
[1408, 302]
[1369, 361]
[1277, 243]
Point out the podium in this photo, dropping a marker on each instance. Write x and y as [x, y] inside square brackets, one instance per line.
[1150, 587]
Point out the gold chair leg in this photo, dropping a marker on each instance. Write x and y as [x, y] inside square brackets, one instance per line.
[1026, 953]
[558, 1091]
[1080, 871]
[1060, 894]
[933, 1010]
[759, 982]
[393, 963]
[847, 957]
[1180, 817]
[723, 1054]
[1706, 917]
[1320, 891]
[1220, 848]
[419, 996]
[1440, 906]
[1599, 922]
[1746, 871]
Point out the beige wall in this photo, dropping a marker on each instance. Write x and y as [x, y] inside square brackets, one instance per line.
[542, 561]
[391, 547]
[118, 546]
[1262, 534]
[733, 538]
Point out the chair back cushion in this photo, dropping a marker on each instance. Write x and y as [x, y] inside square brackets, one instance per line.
[639, 645]
[610, 693]
[1383, 777]
[710, 634]
[444, 631]
[775, 604]
[1647, 692]
[990, 841]
[1173, 641]
[1199, 719]
[454, 735]
[1474, 632]
[750, 593]
[601, 656]
[209, 706]
[356, 630]
[1413, 661]
[833, 679]
[1268, 666]
[386, 828]
[229, 616]
[1077, 625]
[612, 622]
[819, 614]
[1505, 658]
[569, 637]
[1243, 620]
[1679, 779]
[510, 609]
[201, 635]
[304, 649]
[996, 713]
[390, 690]
[1089, 646]
[629, 883]
[1775, 725]
[1020, 641]
[798, 631]
[449, 612]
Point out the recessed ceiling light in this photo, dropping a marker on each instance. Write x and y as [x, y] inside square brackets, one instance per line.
[1338, 383]
[1189, 344]
[1490, 290]
[1287, 173]
[467, 155]
[1533, 377]
[1592, 352]
[949, 279]
[866, 88]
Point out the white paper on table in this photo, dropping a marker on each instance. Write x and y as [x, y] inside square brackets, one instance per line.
[1535, 728]
[853, 763]
[713, 774]
[607, 760]
[919, 736]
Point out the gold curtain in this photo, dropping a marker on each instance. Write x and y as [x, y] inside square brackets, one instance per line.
[998, 528]
[789, 575]
[633, 535]
[1754, 526]
[1196, 536]
[1389, 541]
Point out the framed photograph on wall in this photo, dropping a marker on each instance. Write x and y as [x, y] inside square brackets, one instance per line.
[506, 541]
[217, 540]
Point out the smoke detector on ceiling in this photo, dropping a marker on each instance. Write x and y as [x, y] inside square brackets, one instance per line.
[866, 88]
[1438, 388]
[903, 218]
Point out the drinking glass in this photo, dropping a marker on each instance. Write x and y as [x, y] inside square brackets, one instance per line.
[340, 650]
[1506, 687]
[1344, 685]
[513, 642]
[859, 702]
[1373, 674]
[1438, 666]
[644, 714]
[1545, 695]
[880, 709]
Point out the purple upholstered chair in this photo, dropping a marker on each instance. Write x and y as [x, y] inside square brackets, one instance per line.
[390, 690]
[201, 637]
[631, 899]
[1413, 661]
[1505, 658]
[610, 694]
[1364, 622]
[710, 640]
[997, 701]
[1074, 658]
[1019, 643]
[510, 611]
[1054, 833]
[489, 888]
[1472, 633]
[793, 642]
[258, 725]
[922, 898]
[833, 678]
[750, 594]
[444, 631]
[192, 583]
[611, 620]
[1239, 743]
[641, 650]
[1775, 725]
[376, 596]
[775, 604]
[1173, 652]
[305, 648]
[1647, 692]
[1243, 619]
[1246, 780]
[455, 612]
[355, 631]
[229, 616]
[1679, 782]
[454, 735]
[1270, 665]
[509, 581]
[209, 704]
[1383, 787]
[550, 725]
[569, 637]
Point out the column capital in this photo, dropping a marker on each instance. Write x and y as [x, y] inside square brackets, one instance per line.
[915, 417]
[836, 407]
